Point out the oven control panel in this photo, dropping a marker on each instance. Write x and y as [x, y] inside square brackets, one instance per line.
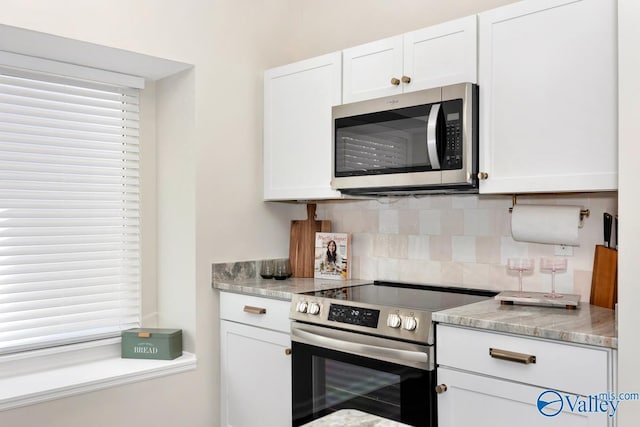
[412, 325]
[354, 315]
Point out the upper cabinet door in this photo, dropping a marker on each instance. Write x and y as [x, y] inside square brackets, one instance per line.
[297, 128]
[441, 55]
[372, 70]
[435, 56]
[548, 96]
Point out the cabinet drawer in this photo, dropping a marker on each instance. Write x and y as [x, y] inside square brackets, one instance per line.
[565, 367]
[256, 311]
[493, 402]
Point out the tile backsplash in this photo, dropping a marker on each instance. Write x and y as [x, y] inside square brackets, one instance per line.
[461, 240]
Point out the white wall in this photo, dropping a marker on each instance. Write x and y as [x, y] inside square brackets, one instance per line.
[327, 26]
[208, 161]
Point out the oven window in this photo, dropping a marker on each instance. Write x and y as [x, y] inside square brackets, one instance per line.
[344, 385]
[326, 380]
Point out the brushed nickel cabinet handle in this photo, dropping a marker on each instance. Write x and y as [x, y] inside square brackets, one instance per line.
[395, 81]
[441, 388]
[287, 351]
[483, 175]
[406, 79]
[512, 356]
[254, 310]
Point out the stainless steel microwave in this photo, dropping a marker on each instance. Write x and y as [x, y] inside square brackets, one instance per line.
[414, 143]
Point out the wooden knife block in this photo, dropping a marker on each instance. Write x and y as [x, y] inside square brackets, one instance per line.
[604, 281]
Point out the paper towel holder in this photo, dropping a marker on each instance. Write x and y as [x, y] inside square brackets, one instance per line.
[583, 212]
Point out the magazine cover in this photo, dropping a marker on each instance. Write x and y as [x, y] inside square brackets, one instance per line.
[331, 256]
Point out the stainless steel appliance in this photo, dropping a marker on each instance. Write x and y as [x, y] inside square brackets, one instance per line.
[413, 143]
[369, 347]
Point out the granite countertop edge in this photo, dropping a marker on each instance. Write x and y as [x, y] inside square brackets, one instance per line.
[282, 289]
[588, 324]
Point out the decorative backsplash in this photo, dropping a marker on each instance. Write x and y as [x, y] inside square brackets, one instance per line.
[460, 240]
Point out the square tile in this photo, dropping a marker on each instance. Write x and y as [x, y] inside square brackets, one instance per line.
[429, 222]
[419, 247]
[463, 249]
[440, 248]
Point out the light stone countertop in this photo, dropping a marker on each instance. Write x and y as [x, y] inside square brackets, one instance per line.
[588, 324]
[282, 289]
[353, 418]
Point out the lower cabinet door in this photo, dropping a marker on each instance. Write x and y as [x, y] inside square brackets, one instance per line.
[255, 376]
[473, 400]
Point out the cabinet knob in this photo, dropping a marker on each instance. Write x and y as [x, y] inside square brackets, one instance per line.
[395, 81]
[406, 79]
[441, 388]
[483, 175]
[287, 351]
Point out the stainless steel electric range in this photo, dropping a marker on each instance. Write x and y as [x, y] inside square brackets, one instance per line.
[369, 347]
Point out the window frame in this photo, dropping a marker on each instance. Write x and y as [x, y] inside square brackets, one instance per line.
[44, 375]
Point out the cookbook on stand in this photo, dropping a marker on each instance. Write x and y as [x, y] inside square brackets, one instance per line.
[331, 256]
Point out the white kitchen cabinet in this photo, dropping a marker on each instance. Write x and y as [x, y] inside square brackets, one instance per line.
[503, 393]
[255, 365]
[548, 96]
[492, 402]
[439, 55]
[297, 128]
[367, 70]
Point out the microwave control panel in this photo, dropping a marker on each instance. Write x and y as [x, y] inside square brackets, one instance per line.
[452, 155]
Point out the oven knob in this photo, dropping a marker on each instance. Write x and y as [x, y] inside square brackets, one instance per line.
[314, 308]
[410, 323]
[302, 307]
[394, 321]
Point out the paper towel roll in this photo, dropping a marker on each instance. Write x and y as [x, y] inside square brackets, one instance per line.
[557, 225]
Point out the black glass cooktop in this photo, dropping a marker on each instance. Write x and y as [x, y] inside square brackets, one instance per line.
[405, 295]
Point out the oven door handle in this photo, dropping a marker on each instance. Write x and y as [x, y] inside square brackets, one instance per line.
[414, 358]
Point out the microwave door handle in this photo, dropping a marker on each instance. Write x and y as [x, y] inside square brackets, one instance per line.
[432, 143]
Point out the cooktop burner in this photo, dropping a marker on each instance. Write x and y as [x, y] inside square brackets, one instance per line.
[390, 309]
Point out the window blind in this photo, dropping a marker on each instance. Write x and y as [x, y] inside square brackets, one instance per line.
[69, 210]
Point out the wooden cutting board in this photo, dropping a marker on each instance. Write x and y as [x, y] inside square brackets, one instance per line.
[302, 242]
[604, 281]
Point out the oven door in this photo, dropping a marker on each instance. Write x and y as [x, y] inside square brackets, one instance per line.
[334, 369]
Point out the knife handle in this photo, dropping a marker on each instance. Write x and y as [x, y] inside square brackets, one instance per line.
[608, 222]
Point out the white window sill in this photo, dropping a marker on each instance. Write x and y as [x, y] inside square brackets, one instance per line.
[30, 383]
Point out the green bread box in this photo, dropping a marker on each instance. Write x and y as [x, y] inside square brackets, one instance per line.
[151, 343]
